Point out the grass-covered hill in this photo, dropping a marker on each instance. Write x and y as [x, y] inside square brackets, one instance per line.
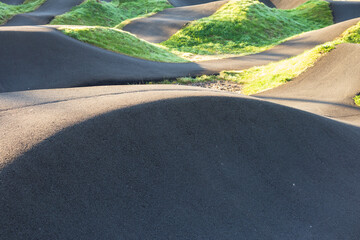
[240, 27]
[121, 42]
[109, 14]
[248, 26]
[258, 79]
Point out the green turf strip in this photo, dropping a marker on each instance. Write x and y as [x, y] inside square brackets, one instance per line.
[121, 42]
[8, 11]
[258, 79]
[248, 26]
[109, 14]
[352, 35]
[357, 100]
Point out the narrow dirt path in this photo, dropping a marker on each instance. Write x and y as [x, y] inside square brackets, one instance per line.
[44, 14]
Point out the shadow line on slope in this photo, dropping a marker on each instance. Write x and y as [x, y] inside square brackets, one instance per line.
[134, 174]
[308, 101]
[5, 96]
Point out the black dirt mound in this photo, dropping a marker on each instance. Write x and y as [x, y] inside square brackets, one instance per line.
[41, 57]
[44, 14]
[177, 164]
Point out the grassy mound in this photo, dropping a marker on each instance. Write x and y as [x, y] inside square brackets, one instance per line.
[258, 79]
[120, 42]
[8, 11]
[248, 26]
[352, 35]
[109, 14]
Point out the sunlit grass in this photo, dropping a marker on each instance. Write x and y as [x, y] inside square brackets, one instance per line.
[258, 79]
[109, 14]
[121, 42]
[357, 100]
[248, 26]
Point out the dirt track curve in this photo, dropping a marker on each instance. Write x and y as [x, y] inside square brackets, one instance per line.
[61, 61]
[143, 162]
[174, 162]
[163, 25]
[44, 14]
[182, 3]
[327, 88]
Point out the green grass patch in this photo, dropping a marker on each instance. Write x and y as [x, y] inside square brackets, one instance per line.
[8, 11]
[248, 26]
[357, 100]
[121, 42]
[109, 14]
[352, 35]
[258, 79]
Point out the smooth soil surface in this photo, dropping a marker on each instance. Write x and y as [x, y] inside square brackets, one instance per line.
[182, 3]
[12, 2]
[173, 162]
[163, 25]
[343, 11]
[326, 89]
[155, 162]
[44, 14]
[42, 57]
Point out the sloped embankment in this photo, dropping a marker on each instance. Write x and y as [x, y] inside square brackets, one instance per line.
[157, 163]
[326, 89]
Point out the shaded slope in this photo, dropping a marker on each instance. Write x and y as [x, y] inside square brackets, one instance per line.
[163, 25]
[182, 3]
[54, 60]
[64, 62]
[111, 168]
[12, 2]
[44, 13]
[343, 11]
[327, 88]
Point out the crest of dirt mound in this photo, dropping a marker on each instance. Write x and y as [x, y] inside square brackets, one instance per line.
[166, 163]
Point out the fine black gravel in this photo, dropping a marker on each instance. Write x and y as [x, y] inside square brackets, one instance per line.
[165, 162]
[326, 89]
[41, 57]
[173, 162]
